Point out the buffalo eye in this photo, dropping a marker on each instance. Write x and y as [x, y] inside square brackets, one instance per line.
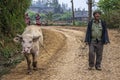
[30, 41]
[28, 47]
[23, 41]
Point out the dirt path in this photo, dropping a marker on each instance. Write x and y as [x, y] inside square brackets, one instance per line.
[70, 61]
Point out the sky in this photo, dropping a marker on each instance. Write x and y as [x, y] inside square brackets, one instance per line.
[82, 4]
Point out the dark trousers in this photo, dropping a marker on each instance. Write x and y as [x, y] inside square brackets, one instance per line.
[95, 50]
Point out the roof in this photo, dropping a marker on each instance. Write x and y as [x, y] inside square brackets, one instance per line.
[81, 13]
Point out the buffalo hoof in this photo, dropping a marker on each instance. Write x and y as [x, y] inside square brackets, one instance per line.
[35, 68]
[29, 72]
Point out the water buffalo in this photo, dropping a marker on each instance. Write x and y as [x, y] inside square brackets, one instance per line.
[31, 40]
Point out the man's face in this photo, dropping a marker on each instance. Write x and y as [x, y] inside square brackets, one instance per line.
[97, 16]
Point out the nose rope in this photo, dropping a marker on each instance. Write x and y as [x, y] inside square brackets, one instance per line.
[44, 49]
[26, 50]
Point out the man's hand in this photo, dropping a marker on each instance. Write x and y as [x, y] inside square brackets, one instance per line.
[86, 43]
[107, 42]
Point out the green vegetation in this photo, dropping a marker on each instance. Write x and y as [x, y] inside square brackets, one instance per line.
[55, 19]
[80, 23]
[111, 12]
[11, 22]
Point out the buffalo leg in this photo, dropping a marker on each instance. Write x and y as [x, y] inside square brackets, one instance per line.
[28, 63]
[34, 64]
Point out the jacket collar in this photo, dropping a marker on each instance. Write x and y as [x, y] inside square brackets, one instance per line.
[99, 21]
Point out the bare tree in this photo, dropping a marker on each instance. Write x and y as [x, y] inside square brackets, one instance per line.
[89, 9]
[73, 12]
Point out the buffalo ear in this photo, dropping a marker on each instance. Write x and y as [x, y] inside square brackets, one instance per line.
[36, 38]
[18, 38]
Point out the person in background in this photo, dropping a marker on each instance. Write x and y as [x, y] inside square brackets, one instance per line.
[96, 37]
[27, 19]
[37, 17]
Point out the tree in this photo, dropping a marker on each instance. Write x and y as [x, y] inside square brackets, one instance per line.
[111, 10]
[49, 17]
[66, 16]
[12, 15]
[73, 18]
[57, 7]
[89, 9]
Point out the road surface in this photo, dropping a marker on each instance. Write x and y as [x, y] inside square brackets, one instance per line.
[67, 58]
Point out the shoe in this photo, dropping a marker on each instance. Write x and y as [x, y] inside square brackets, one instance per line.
[91, 68]
[98, 68]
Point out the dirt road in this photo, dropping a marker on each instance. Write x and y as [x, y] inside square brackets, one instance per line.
[68, 58]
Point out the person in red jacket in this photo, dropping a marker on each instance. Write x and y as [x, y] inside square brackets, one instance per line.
[27, 19]
[38, 19]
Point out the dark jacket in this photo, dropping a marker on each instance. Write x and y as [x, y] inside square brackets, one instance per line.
[105, 38]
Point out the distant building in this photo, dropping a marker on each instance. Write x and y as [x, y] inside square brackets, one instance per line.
[42, 6]
[41, 10]
[45, 6]
[81, 15]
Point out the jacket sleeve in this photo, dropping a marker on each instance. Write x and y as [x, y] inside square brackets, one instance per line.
[106, 34]
[87, 37]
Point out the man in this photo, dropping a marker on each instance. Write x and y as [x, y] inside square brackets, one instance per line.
[96, 37]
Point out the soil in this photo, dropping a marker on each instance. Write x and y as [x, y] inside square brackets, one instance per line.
[67, 57]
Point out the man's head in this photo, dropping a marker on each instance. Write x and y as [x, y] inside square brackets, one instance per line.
[97, 14]
[37, 14]
[26, 14]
